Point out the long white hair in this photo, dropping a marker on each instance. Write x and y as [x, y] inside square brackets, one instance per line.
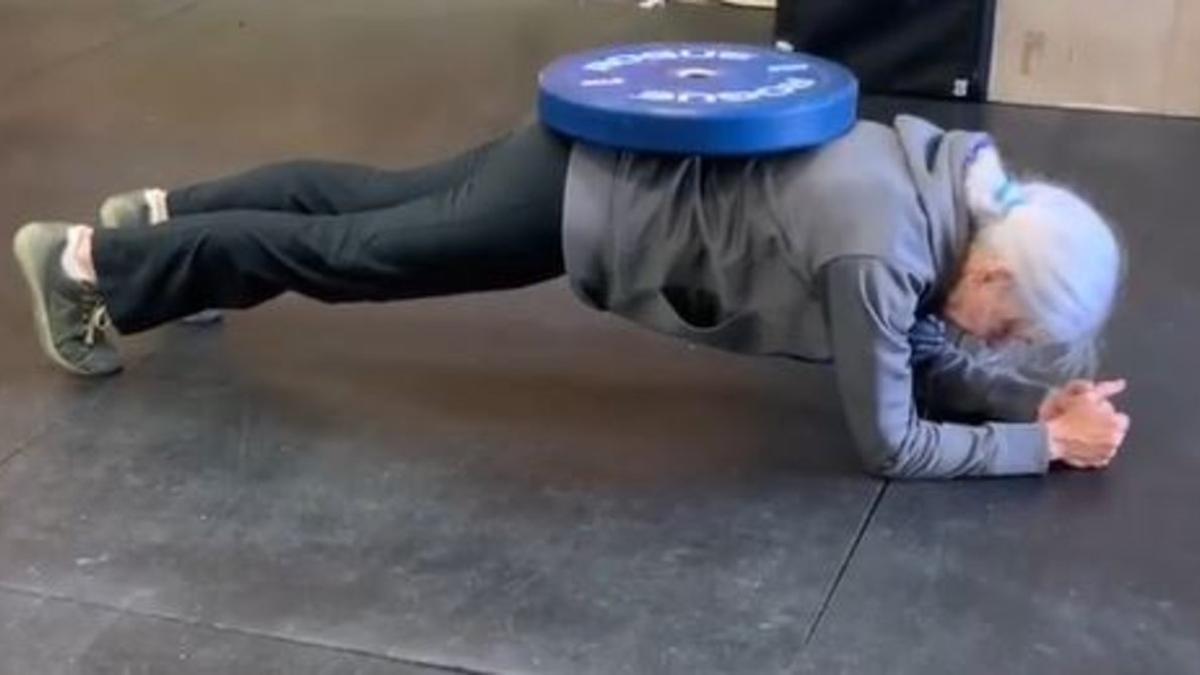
[1066, 260]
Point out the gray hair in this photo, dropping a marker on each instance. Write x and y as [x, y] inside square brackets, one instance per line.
[1067, 261]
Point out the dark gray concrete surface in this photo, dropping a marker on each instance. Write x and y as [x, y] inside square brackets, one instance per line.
[508, 483]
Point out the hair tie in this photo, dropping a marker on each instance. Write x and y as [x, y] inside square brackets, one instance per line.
[1009, 196]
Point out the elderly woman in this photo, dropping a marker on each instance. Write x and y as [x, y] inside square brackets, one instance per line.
[856, 253]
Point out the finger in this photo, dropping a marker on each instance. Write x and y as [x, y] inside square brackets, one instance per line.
[1077, 387]
[1092, 399]
[1118, 427]
[1087, 460]
[1049, 409]
[1101, 392]
[1099, 412]
[1113, 433]
[1109, 389]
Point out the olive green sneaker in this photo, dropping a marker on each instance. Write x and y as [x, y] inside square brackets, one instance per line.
[139, 208]
[145, 208]
[69, 316]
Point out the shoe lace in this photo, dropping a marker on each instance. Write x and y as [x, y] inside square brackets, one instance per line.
[98, 322]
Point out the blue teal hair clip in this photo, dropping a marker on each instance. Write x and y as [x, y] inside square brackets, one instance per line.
[977, 147]
[1009, 196]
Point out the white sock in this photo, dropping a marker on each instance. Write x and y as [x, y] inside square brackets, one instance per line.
[157, 200]
[70, 258]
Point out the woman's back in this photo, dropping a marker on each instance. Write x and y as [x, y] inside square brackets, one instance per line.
[728, 252]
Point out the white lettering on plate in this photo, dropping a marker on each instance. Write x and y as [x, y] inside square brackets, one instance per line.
[790, 86]
[615, 61]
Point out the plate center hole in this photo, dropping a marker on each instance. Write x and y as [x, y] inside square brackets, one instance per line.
[696, 73]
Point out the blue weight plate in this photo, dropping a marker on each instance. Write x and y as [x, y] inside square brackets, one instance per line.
[698, 98]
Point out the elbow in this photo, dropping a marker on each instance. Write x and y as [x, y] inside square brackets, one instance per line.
[889, 455]
[887, 467]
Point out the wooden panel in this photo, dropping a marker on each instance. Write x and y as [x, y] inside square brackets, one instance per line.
[1093, 53]
[1182, 93]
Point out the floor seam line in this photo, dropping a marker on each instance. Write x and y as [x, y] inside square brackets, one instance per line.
[235, 630]
[45, 429]
[21, 446]
[92, 400]
[844, 566]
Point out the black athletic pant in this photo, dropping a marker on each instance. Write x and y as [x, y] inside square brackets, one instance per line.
[489, 219]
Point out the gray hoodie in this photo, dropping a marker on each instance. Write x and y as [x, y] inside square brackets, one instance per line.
[840, 254]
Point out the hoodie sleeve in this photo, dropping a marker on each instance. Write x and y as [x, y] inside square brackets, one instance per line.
[871, 310]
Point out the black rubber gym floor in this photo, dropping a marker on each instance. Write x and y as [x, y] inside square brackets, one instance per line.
[508, 483]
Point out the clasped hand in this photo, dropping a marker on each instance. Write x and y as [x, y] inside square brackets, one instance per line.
[1084, 429]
